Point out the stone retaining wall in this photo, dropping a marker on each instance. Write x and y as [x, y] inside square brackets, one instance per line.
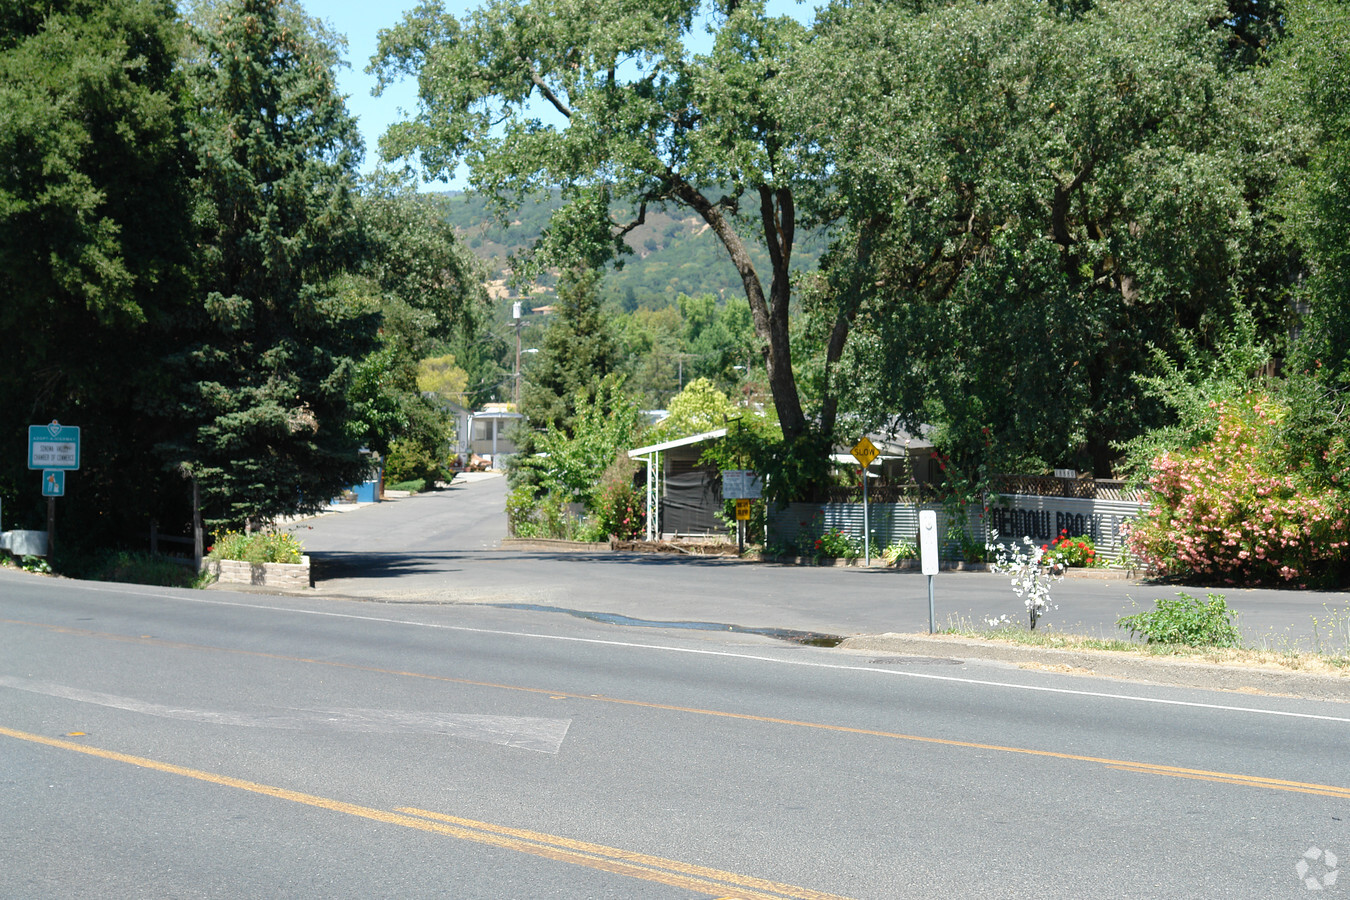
[283, 576]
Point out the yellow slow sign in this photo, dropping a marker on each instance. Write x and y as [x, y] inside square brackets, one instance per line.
[864, 452]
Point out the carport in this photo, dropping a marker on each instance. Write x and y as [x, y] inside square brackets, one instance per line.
[651, 456]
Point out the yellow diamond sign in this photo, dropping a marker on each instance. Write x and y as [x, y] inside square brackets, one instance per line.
[864, 452]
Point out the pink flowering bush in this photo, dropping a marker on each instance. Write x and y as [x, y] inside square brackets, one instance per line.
[1238, 509]
[618, 506]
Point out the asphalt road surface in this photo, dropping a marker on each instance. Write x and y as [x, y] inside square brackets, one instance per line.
[443, 547]
[166, 743]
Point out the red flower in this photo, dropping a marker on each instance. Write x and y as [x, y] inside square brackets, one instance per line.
[1082, 546]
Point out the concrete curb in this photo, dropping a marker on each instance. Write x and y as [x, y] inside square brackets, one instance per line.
[1109, 664]
[554, 544]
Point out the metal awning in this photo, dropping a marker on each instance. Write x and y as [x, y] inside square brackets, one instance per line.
[678, 442]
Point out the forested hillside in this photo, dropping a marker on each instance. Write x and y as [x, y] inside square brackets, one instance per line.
[673, 252]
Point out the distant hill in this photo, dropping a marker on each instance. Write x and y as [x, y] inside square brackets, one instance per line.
[674, 252]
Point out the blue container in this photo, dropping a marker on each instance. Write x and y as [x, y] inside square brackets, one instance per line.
[368, 491]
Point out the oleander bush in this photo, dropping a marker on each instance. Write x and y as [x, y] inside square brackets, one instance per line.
[1238, 507]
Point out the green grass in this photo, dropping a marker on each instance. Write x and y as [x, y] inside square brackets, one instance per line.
[416, 486]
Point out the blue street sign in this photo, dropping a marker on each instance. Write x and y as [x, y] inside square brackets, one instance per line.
[53, 483]
[54, 446]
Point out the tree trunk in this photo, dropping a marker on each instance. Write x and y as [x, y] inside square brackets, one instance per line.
[770, 314]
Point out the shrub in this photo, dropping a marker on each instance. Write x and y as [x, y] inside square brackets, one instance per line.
[37, 564]
[409, 460]
[1031, 574]
[1186, 620]
[548, 517]
[900, 550]
[1235, 508]
[416, 486]
[521, 505]
[835, 544]
[1073, 552]
[258, 547]
[621, 512]
[619, 508]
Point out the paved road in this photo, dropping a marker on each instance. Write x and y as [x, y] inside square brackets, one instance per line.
[443, 547]
[167, 743]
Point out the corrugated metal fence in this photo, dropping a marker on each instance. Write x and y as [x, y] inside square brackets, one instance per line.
[1010, 516]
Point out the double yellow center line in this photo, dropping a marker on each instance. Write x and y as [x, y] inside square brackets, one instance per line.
[698, 879]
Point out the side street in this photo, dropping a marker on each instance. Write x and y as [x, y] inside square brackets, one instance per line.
[451, 547]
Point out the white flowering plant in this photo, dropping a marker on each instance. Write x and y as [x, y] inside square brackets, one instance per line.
[1032, 571]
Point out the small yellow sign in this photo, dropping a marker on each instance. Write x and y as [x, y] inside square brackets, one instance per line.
[865, 451]
[742, 510]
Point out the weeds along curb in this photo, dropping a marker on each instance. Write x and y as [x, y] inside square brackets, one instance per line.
[1112, 664]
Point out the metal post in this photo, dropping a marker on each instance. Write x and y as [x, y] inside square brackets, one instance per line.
[932, 628]
[867, 527]
[515, 393]
[197, 537]
[650, 524]
[51, 528]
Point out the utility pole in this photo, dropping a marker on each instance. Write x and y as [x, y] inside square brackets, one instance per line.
[515, 314]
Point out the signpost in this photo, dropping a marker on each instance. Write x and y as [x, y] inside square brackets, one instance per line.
[865, 452]
[741, 485]
[54, 446]
[928, 556]
[53, 482]
[55, 449]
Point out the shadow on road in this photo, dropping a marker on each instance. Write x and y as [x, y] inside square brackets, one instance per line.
[329, 565]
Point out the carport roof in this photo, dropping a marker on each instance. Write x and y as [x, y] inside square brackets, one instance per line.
[678, 442]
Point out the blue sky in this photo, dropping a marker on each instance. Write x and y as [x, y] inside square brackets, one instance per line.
[361, 21]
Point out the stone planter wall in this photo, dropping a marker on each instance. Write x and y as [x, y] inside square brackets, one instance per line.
[283, 576]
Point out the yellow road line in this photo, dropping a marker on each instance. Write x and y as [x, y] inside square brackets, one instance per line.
[698, 879]
[1276, 784]
[785, 890]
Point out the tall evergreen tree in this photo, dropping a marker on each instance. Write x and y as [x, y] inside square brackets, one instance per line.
[265, 378]
[579, 351]
[94, 248]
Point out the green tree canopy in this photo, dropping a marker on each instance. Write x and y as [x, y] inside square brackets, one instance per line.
[698, 408]
[1030, 197]
[266, 375]
[95, 265]
[604, 101]
[1317, 66]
